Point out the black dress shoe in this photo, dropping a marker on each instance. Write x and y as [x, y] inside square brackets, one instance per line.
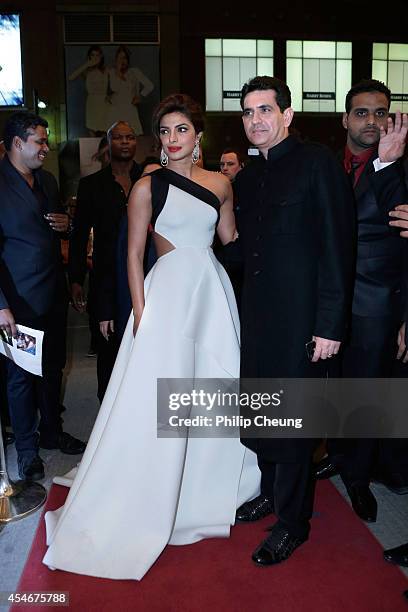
[405, 594]
[277, 547]
[31, 469]
[363, 502]
[325, 469]
[254, 510]
[66, 443]
[398, 555]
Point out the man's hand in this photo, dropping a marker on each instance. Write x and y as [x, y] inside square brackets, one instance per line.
[106, 327]
[325, 349]
[392, 142]
[59, 222]
[77, 297]
[400, 214]
[402, 349]
[7, 322]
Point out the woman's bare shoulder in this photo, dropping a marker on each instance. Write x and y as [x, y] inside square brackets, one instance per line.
[215, 181]
[220, 185]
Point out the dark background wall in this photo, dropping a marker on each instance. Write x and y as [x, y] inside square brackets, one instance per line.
[184, 25]
[359, 21]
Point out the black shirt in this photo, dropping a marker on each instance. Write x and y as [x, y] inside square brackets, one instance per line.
[101, 204]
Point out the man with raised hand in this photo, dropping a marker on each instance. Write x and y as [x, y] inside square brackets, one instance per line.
[372, 160]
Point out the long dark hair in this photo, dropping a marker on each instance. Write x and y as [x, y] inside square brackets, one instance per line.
[92, 48]
[125, 50]
[178, 103]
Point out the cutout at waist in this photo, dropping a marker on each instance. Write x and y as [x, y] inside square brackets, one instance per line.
[162, 245]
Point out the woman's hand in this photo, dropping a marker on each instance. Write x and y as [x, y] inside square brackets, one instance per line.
[402, 349]
[136, 323]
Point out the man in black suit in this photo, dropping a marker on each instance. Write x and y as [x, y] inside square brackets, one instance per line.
[372, 160]
[101, 204]
[296, 230]
[8, 437]
[33, 290]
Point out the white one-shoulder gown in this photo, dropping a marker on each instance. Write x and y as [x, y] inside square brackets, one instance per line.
[135, 493]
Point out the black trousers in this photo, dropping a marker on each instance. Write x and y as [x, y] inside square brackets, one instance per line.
[29, 395]
[370, 353]
[291, 487]
[4, 413]
[91, 310]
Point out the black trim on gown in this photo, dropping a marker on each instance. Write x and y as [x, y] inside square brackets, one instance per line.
[163, 177]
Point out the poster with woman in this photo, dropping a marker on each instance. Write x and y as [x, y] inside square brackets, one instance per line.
[108, 83]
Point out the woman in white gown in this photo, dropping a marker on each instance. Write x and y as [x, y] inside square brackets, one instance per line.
[134, 492]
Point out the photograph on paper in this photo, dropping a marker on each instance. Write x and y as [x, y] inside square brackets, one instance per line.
[25, 350]
[26, 343]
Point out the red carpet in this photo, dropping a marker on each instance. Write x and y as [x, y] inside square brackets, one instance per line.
[340, 569]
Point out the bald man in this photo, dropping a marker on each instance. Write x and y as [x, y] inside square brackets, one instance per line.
[101, 204]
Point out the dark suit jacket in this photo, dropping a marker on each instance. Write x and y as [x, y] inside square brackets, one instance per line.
[31, 269]
[101, 204]
[380, 274]
[297, 234]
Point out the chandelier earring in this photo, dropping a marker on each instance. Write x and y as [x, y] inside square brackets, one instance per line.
[195, 156]
[164, 159]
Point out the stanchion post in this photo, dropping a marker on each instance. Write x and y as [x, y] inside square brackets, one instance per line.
[17, 499]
